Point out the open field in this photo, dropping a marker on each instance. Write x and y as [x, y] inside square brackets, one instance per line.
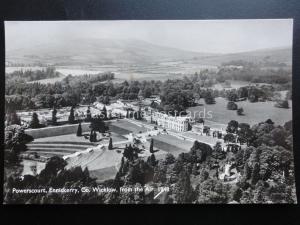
[254, 112]
[233, 83]
[153, 71]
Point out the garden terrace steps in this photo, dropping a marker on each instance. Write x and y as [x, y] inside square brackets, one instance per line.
[59, 148]
[49, 154]
[67, 146]
[69, 151]
[63, 142]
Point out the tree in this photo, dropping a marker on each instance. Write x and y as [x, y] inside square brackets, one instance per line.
[204, 175]
[209, 98]
[199, 152]
[236, 193]
[79, 130]
[131, 152]
[71, 118]
[232, 106]
[52, 167]
[54, 118]
[13, 118]
[245, 133]
[138, 114]
[240, 111]
[106, 100]
[232, 126]
[34, 123]
[247, 171]
[218, 146]
[91, 136]
[97, 124]
[94, 136]
[232, 96]
[243, 92]
[282, 104]
[217, 151]
[15, 142]
[229, 137]
[169, 159]
[255, 174]
[110, 144]
[152, 160]
[151, 146]
[104, 112]
[88, 114]
[183, 189]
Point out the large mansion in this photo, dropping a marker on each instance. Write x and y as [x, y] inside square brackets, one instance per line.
[177, 123]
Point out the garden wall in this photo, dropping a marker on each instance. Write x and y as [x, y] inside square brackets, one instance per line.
[57, 130]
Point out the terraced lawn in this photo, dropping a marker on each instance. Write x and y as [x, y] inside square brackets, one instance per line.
[66, 144]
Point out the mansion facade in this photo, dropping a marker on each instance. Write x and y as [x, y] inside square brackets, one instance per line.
[176, 123]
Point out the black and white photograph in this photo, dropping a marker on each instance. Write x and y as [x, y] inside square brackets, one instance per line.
[149, 112]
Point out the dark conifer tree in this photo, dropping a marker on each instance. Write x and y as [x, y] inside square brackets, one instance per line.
[35, 123]
[54, 118]
[71, 116]
[88, 115]
[79, 130]
[255, 174]
[91, 136]
[13, 119]
[104, 112]
[94, 136]
[151, 146]
[110, 145]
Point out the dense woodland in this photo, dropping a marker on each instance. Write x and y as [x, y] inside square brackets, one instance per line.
[32, 75]
[177, 94]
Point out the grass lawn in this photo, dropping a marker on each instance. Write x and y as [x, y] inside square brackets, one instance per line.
[104, 174]
[254, 112]
[171, 144]
[124, 127]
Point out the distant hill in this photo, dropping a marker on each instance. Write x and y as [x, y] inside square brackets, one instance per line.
[282, 55]
[97, 52]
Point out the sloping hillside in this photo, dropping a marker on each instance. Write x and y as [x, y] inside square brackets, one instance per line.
[282, 55]
[99, 52]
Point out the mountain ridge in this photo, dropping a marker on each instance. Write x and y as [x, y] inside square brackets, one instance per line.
[91, 51]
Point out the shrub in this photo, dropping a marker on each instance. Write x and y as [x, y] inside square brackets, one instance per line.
[240, 111]
[232, 106]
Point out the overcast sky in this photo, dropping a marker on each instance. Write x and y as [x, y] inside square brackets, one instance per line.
[215, 36]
